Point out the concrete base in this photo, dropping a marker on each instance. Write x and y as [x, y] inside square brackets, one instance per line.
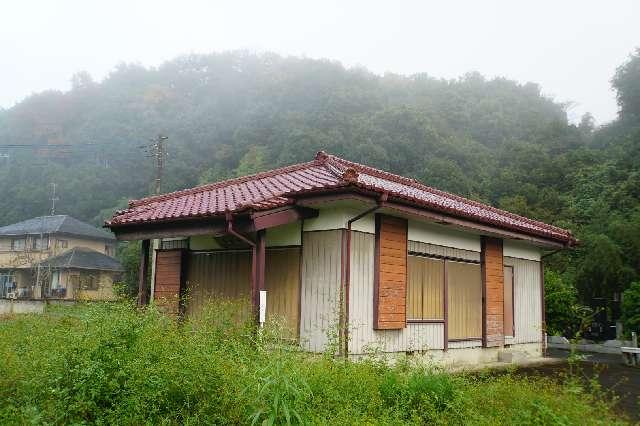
[19, 306]
[8, 306]
[472, 358]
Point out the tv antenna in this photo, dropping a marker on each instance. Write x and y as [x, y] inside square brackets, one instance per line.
[53, 198]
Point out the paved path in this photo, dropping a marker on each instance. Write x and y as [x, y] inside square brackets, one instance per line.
[613, 375]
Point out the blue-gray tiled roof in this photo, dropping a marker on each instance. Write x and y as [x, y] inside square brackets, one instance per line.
[83, 258]
[59, 224]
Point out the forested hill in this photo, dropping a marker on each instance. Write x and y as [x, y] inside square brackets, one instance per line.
[236, 113]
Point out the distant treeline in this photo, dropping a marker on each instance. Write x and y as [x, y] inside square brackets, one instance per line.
[235, 113]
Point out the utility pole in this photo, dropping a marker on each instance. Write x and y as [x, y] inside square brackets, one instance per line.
[159, 152]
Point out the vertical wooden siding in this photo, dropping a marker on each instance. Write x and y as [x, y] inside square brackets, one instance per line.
[465, 300]
[527, 307]
[220, 274]
[282, 282]
[168, 279]
[390, 292]
[362, 336]
[227, 275]
[320, 288]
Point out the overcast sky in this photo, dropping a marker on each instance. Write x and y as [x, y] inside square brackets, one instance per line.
[571, 48]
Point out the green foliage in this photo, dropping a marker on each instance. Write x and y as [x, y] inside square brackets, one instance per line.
[631, 309]
[235, 113]
[625, 82]
[128, 254]
[115, 364]
[565, 316]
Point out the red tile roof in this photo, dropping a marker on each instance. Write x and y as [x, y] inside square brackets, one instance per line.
[326, 172]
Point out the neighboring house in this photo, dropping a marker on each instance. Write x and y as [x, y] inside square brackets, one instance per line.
[338, 248]
[26, 245]
[82, 273]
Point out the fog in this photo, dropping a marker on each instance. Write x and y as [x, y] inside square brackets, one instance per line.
[570, 48]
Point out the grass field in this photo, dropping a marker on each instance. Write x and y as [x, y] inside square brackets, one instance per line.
[111, 364]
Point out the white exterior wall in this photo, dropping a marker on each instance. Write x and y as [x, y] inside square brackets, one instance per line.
[521, 250]
[527, 300]
[362, 337]
[320, 289]
[443, 236]
[337, 217]
[285, 235]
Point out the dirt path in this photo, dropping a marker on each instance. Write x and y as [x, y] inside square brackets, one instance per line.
[614, 376]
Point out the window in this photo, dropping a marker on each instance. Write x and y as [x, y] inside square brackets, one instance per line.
[5, 244]
[88, 282]
[425, 289]
[464, 300]
[7, 283]
[63, 244]
[509, 324]
[18, 244]
[175, 243]
[38, 243]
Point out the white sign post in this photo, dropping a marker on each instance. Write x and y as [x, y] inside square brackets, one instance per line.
[263, 307]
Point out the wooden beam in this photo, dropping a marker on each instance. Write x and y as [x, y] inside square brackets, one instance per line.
[281, 216]
[143, 273]
[215, 227]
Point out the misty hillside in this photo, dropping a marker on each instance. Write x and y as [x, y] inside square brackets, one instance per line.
[237, 113]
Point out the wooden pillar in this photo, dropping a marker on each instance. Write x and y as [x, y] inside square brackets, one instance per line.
[259, 280]
[143, 273]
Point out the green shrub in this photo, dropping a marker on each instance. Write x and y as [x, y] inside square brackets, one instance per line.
[115, 364]
[631, 309]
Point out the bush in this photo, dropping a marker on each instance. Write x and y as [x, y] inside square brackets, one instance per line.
[114, 364]
[564, 315]
[631, 309]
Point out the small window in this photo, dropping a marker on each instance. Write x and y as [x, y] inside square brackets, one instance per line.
[509, 324]
[425, 289]
[63, 244]
[18, 244]
[175, 244]
[88, 282]
[5, 244]
[38, 243]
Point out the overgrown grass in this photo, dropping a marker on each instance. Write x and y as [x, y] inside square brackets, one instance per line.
[111, 364]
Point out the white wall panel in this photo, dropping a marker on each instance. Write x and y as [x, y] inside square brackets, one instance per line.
[441, 235]
[319, 298]
[520, 250]
[527, 308]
